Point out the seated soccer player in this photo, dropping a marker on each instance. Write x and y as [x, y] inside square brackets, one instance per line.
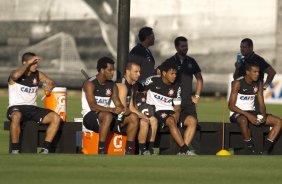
[23, 86]
[245, 91]
[165, 95]
[98, 116]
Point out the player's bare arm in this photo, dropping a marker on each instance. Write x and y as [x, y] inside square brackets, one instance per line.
[261, 103]
[49, 83]
[236, 72]
[270, 75]
[199, 87]
[122, 93]
[115, 97]
[16, 74]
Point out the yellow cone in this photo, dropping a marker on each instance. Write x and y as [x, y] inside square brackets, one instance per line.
[223, 152]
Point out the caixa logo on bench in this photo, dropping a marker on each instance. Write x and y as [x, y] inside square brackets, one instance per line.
[117, 143]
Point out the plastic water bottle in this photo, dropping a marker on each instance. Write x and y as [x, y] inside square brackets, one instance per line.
[120, 117]
[239, 57]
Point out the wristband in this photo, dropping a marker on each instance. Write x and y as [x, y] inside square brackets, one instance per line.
[197, 96]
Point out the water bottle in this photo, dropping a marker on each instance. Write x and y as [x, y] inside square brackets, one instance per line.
[46, 92]
[239, 57]
[120, 117]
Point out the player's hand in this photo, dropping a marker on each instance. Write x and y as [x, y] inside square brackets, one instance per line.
[252, 119]
[33, 60]
[237, 65]
[195, 100]
[117, 110]
[126, 111]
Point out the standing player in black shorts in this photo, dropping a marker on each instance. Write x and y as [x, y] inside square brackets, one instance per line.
[244, 93]
[166, 96]
[23, 86]
[98, 116]
[187, 69]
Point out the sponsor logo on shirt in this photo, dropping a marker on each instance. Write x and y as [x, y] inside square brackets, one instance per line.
[162, 98]
[148, 81]
[102, 101]
[28, 90]
[247, 98]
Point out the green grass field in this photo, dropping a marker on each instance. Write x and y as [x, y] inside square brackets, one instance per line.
[75, 168]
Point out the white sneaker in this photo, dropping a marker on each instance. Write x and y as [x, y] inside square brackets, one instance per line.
[191, 153]
[15, 151]
[44, 151]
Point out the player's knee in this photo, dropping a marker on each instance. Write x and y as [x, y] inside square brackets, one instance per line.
[278, 123]
[134, 117]
[16, 116]
[134, 120]
[191, 122]
[170, 122]
[243, 122]
[56, 119]
[106, 116]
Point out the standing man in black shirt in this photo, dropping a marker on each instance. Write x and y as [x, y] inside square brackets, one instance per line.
[187, 68]
[249, 55]
[142, 55]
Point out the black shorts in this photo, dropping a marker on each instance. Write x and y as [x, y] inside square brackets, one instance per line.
[29, 112]
[162, 116]
[234, 116]
[188, 110]
[91, 122]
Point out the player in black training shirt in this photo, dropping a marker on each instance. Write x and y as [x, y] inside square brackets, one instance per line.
[23, 86]
[166, 96]
[242, 99]
[96, 96]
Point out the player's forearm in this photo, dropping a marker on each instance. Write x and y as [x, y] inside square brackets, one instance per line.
[268, 80]
[19, 72]
[199, 87]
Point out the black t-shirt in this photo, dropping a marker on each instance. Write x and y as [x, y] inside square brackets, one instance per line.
[263, 65]
[145, 59]
[186, 69]
[102, 93]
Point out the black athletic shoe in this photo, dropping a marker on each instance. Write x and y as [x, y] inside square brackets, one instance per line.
[101, 151]
[251, 150]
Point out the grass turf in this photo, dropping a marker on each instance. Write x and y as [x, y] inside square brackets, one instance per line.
[59, 168]
[74, 168]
